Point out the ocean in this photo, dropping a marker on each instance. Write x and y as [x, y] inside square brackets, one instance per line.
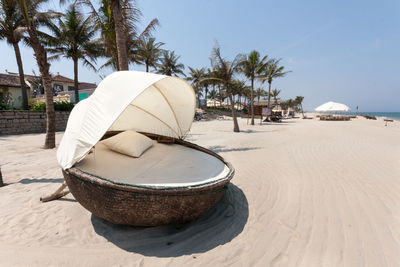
[389, 115]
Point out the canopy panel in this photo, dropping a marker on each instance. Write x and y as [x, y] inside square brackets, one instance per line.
[332, 106]
[128, 100]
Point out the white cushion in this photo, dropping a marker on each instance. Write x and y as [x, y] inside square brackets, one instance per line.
[129, 143]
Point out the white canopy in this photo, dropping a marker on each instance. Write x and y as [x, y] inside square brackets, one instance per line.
[128, 100]
[332, 106]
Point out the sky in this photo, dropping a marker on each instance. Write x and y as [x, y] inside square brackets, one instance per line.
[342, 51]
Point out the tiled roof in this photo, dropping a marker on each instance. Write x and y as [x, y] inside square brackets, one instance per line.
[12, 79]
[87, 86]
[264, 102]
[63, 79]
[9, 80]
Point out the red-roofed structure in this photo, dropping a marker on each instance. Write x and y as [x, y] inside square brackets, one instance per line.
[10, 85]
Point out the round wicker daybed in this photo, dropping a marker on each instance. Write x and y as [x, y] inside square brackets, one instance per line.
[174, 181]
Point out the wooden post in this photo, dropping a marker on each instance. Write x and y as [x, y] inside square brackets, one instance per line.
[1, 179]
[59, 193]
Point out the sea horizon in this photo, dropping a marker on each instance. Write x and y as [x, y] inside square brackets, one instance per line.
[389, 115]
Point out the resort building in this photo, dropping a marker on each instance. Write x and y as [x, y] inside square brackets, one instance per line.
[275, 104]
[10, 87]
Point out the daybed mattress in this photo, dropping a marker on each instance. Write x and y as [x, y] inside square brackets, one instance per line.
[162, 165]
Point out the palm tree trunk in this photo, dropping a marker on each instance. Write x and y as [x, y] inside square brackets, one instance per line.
[252, 98]
[197, 95]
[21, 76]
[147, 67]
[116, 59]
[44, 66]
[269, 93]
[236, 102]
[269, 99]
[302, 111]
[205, 97]
[120, 36]
[76, 84]
[235, 123]
[50, 140]
[220, 96]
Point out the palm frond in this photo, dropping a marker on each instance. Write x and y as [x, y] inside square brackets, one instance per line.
[147, 32]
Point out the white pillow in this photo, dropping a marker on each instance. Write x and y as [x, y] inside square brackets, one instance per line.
[129, 143]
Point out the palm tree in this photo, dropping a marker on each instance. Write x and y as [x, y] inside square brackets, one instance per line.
[206, 84]
[73, 38]
[246, 95]
[299, 102]
[149, 52]
[33, 18]
[289, 103]
[213, 95]
[114, 48]
[215, 83]
[275, 93]
[271, 72]
[259, 93]
[196, 76]
[120, 28]
[199, 94]
[11, 29]
[284, 104]
[225, 73]
[169, 64]
[252, 66]
[238, 87]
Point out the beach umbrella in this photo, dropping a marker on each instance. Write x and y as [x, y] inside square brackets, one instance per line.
[332, 106]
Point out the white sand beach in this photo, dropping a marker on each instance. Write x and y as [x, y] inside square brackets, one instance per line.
[305, 193]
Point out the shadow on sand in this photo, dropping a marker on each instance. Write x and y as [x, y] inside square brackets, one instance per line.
[255, 131]
[218, 226]
[218, 149]
[43, 180]
[278, 123]
[67, 199]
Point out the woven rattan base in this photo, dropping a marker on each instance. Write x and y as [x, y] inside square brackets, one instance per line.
[145, 206]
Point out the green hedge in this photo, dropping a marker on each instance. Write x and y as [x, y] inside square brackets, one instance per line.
[58, 106]
[3, 106]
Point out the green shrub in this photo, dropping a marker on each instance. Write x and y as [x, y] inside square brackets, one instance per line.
[4, 106]
[38, 106]
[31, 102]
[63, 106]
[58, 106]
[5, 99]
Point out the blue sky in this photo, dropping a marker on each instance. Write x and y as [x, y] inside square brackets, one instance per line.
[344, 51]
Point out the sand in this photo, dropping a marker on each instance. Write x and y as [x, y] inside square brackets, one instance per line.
[305, 193]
